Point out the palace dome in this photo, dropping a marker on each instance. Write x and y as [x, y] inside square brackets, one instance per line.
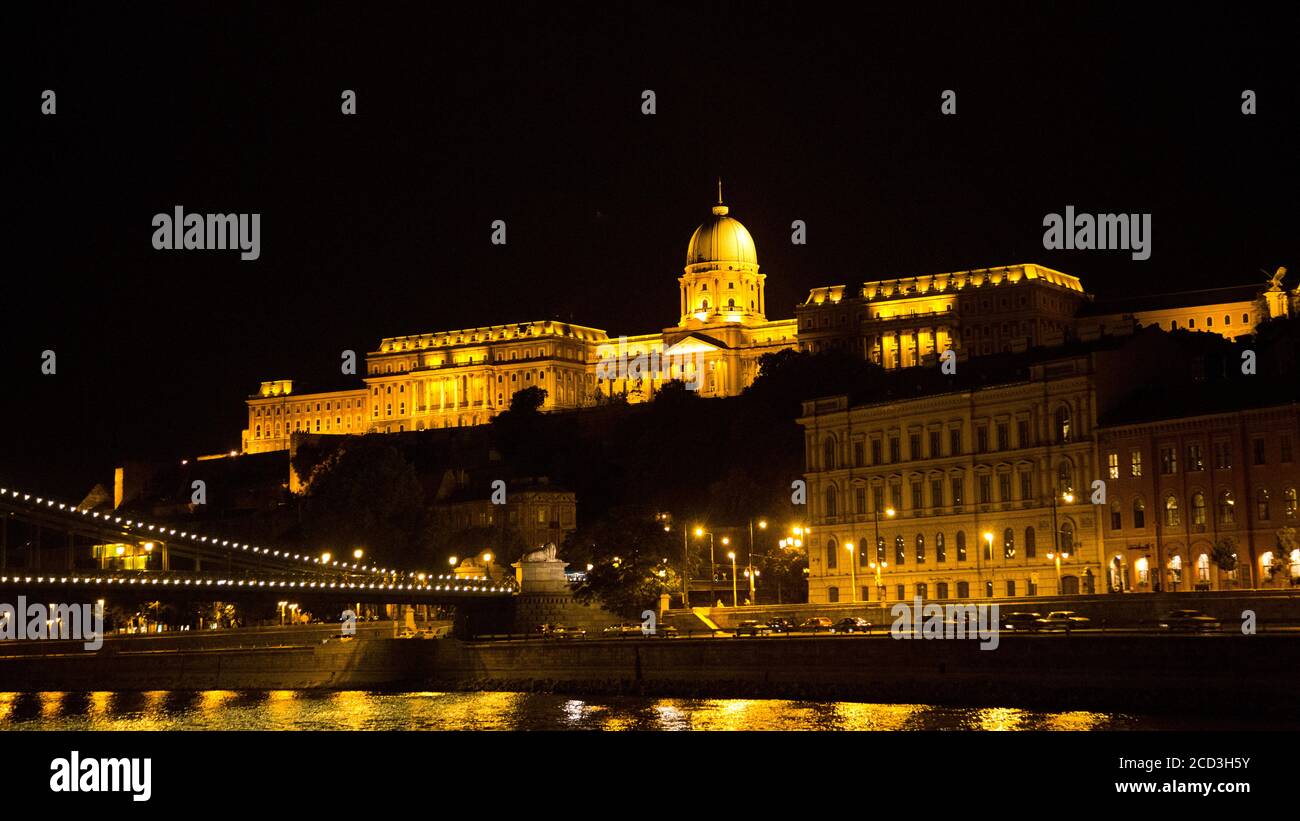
[721, 239]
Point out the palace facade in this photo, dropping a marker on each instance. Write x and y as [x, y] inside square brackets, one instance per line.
[1111, 465]
[465, 377]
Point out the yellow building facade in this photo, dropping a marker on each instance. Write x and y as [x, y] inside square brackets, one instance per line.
[465, 377]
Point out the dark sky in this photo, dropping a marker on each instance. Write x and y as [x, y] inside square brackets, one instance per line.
[378, 224]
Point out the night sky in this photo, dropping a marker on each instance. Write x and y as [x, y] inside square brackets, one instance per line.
[378, 224]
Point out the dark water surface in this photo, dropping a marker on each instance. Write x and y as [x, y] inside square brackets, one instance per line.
[358, 710]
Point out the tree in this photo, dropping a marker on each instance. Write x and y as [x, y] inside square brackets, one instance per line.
[1286, 543]
[528, 401]
[366, 495]
[1224, 554]
[631, 561]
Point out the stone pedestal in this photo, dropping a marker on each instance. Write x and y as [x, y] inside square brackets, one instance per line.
[544, 577]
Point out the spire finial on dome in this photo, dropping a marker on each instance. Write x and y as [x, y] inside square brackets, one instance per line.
[720, 209]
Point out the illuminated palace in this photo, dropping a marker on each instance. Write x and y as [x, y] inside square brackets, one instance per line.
[465, 377]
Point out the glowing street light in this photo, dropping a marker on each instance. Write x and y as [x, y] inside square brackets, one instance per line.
[358, 553]
[853, 573]
[731, 554]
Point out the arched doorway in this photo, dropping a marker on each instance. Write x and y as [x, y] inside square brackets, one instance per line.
[1069, 585]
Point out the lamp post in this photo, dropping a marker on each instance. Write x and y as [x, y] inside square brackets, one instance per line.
[1068, 498]
[853, 573]
[1058, 556]
[880, 583]
[731, 554]
[751, 573]
[988, 549]
[889, 513]
[762, 525]
[713, 567]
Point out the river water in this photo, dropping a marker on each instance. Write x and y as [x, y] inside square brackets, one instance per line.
[357, 710]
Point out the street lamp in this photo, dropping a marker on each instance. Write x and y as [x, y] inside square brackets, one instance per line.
[752, 575]
[713, 567]
[452, 560]
[988, 551]
[1058, 556]
[1068, 498]
[731, 554]
[358, 553]
[889, 513]
[853, 573]
[880, 583]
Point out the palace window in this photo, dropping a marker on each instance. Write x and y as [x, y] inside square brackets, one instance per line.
[1227, 508]
[875, 452]
[1022, 433]
[1135, 463]
[1031, 543]
[1172, 519]
[936, 492]
[1139, 514]
[963, 590]
[1008, 544]
[940, 549]
[914, 446]
[961, 545]
[1284, 449]
[1112, 465]
[954, 442]
[935, 440]
[900, 551]
[1168, 460]
[918, 503]
[832, 554]
[1063, 431]
[1261, 457]
[1222, 455]
[1198, 508]
[955, 485]
[986, 489]
[832, 501]
[1116, 515]
[1262, 504]
[920, 548]
[1289, 503]
[1004, 487]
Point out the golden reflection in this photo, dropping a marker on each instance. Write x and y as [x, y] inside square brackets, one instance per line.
[211, 702]
[98, 707]
[853, 715]
[7, 706]
[355, 709]
[670, 715]
[1074, 721]
[51, 704]
[999, 718]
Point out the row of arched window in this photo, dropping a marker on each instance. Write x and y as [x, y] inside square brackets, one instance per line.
[1225, 509]
[921, 548]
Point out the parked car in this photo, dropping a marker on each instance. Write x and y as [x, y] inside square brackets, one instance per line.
[816, 623]
[752, 627]
[1066, 620]
[560, 631]
[1020, 621]
[619, 630]
[851, 624]
[781, 624]
[1189, 620]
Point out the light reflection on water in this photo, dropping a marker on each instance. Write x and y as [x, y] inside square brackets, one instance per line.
[358, 710]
